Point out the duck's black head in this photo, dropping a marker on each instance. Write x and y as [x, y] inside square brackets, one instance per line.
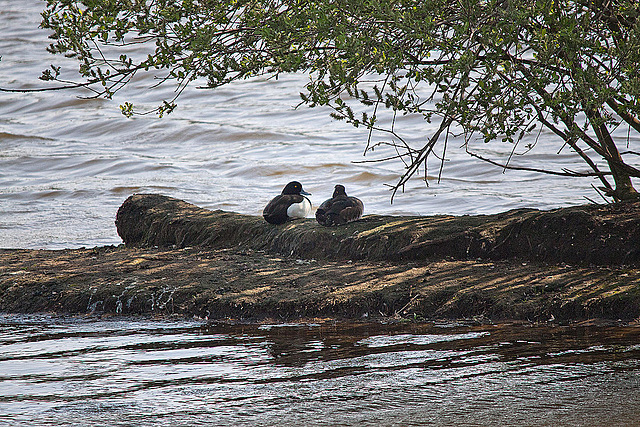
[339, 191]
[294, 187]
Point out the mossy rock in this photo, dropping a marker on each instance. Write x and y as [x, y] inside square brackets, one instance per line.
[591, 234]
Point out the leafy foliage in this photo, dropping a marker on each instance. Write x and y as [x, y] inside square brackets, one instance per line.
[497, 69]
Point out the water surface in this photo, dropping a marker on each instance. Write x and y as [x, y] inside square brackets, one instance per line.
[122, 372]
[68, 163]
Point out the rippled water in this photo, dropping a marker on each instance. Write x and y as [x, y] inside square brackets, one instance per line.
[66, 164]
[56, 371]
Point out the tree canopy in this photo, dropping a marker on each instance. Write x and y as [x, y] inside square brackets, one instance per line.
[489, 69]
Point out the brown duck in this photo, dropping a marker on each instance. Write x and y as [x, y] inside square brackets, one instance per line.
[339, 209]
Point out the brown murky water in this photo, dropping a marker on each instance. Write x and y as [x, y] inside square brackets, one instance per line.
[66, 163]
[59, 372]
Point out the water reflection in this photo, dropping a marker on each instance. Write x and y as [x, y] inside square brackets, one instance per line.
[57, 371]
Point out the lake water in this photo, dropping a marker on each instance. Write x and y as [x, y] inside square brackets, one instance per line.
[67, 164]
[123, 372]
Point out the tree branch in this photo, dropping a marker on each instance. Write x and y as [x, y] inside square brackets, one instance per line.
[566, 172]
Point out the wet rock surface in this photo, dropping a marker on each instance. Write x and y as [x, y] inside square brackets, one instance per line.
[565, 265]
[591, 234]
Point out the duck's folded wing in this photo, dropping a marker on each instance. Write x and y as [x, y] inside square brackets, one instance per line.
[276, 210]
[352, 210]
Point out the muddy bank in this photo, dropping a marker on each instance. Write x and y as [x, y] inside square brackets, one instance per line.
[565, 265]
[253, 285]
[591, 234]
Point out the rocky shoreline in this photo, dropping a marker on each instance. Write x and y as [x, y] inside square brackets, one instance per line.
[567, 265]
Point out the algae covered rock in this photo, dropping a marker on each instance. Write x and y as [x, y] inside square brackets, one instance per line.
[590, 234]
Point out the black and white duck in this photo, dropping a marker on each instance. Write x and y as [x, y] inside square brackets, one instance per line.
[289, 205]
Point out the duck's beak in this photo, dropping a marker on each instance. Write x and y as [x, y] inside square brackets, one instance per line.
[304, 193]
